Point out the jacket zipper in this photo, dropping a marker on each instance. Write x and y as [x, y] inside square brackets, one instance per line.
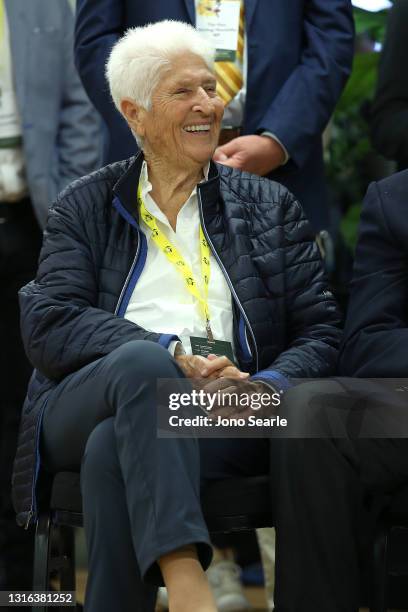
[129, 276]
[225, 273]
[29, 517]
[227, 278]
[33, 509]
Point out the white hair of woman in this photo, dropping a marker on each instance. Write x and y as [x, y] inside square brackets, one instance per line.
[140, 57]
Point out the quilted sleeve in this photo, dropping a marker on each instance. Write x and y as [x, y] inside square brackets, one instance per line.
[62, 329]
[312, 320]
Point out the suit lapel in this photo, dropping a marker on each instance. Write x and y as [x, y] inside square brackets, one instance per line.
[16, 16]
[190, 6]
[250, 6]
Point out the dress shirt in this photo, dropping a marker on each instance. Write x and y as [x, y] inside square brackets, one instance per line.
[160, 301]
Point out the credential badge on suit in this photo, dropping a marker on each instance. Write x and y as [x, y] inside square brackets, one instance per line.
[218, 21]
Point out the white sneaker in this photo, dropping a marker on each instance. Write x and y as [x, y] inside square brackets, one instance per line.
[162, 601]
[224, 578]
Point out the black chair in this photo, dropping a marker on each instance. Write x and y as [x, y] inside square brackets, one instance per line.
[393, 525]
[231, 505]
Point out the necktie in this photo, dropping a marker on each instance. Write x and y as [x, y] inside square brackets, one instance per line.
[230, 74]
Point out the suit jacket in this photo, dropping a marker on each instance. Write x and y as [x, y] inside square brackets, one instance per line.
[299, 56]
[376, 332]
[61, 131]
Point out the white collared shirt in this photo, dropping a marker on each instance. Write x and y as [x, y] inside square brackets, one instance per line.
[160, 301]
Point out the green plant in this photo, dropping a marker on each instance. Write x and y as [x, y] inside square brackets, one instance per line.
[370, 23]
[349, 145]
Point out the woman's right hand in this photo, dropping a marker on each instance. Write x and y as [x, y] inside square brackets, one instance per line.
[196, 366]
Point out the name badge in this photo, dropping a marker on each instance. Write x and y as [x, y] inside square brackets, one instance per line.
[203, 347]
[218, 22]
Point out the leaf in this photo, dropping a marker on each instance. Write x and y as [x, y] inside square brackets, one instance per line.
[369, 23]
[361, 84]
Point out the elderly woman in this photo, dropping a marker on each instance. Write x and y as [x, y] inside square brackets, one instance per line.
[146, 265]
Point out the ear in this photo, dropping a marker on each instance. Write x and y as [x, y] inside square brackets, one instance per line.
[134, 115]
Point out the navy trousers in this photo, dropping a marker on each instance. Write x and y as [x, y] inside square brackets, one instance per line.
[141, 493]
[330, 482]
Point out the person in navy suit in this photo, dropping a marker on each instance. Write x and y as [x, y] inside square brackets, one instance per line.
[357, 424]
[298, 57]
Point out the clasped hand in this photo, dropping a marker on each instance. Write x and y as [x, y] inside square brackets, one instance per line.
[211, 367]
[219, 376]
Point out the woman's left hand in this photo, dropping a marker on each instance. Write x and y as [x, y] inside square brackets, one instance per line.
[226, 368]
[195, 366]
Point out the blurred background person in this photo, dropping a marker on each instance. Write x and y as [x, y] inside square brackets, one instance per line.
[49, 135]
[389, 113]
[292, 62]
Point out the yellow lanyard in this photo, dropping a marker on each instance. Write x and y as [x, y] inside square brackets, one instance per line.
[175, 257]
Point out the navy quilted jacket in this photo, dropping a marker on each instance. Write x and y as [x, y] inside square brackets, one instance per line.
[286, 324]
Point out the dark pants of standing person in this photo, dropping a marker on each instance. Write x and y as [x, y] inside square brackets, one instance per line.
[329, 487]
[20, 242]
[141, 493]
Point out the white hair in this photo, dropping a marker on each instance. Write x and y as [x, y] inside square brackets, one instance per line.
[139, 58]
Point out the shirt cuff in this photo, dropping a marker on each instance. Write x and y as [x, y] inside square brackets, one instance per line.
[274, 137]
[176, 348]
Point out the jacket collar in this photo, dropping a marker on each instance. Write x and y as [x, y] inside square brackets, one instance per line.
[209, 192]
[126, 187]
[250, 6]
[190, 6]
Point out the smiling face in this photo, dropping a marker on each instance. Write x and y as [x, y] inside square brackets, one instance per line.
[182, 127]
